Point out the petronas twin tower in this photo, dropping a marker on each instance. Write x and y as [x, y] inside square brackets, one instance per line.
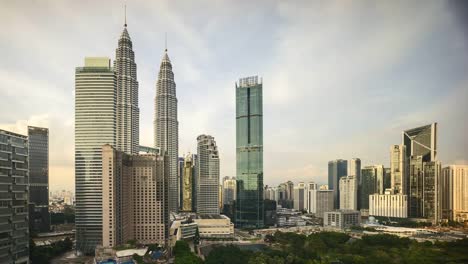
[166, 126]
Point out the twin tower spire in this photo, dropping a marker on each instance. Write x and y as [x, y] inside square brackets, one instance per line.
[166, 125]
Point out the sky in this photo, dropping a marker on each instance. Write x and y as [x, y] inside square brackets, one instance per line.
[341, 79]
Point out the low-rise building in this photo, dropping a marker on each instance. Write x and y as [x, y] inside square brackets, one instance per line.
[214, 225]
[341, 219]
[388, 205]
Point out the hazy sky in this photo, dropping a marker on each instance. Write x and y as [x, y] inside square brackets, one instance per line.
[341, 79]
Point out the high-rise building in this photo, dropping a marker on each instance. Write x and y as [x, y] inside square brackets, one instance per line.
[180, 177]
[207, 175]
[372, 178]
[421, 141]
[95, 125]
[249, 153]
[14, 174]
[127, 111]
[300, 196]
[229, 190]
[336, 170]
[188, 183]
[166, 126]
[271, 193]
[348, 193]
[319, 200]
[39, 217]
[454, 191]
[354, 169]
[424, 189]
[134, 198]
[398, 168]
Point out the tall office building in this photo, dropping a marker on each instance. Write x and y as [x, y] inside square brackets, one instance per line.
[424, 189]
[372, 178]
[424, 172]
[348, 193]
[134, 198]
[336, 170]
[188, 183]
[454, 191]
[207, 175]
[229, 190]
[166, 126]
[127, 111]
[300, 197]
[180, 179]
[249, 153]
[398, 168]
[14, 174]
[39, 217]
[95, 125]
[421, 141]
[354, 169]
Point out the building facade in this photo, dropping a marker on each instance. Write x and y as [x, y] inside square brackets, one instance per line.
[354, 169]
[207, 175]
[372, 182]
[166, 126]
[336, 170]
[348, 193]
[39, 217]
[421, 141]
[188, 183]
[127, 110]
[134, 198]
[14, 178]
[229, 190]
[95, 125]
[341, 219]
[320, 201]
[214, 226]
[300, 197]
[388, 205]
[398, 168]
[454, 191]
[249, 153]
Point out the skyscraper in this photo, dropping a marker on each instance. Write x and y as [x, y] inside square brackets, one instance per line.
[207, 175]
[127, 111]
[454, 191]
[249, 153]
[134, 198]
[14, 174]
[166, 126]
[39, 217]
[348, 193]
[371, 183]
[336, 170]
[188, 183]
[354, 169]
[95, 125]
[424, 172]
[229, 190]
[421, 141]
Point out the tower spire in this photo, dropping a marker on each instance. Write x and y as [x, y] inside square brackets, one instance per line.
[125, 8]
[165, 43]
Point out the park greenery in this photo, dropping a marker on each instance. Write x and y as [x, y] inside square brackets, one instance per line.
[44, 254]
[333, 247]
[183, 255]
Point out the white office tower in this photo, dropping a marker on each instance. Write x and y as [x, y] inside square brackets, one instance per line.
[388, 205]
[398, 169]
[300, 196]
[348, 193]
[166, 126]
[320, 200]
[454, 192]
[95, 125]
[207, 175]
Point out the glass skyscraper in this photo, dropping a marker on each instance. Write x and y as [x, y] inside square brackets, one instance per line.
[336, 170]
[95, 125]
[249, 153]
[39, 218]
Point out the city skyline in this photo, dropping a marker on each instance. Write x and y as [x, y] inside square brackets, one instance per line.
[407, 94]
